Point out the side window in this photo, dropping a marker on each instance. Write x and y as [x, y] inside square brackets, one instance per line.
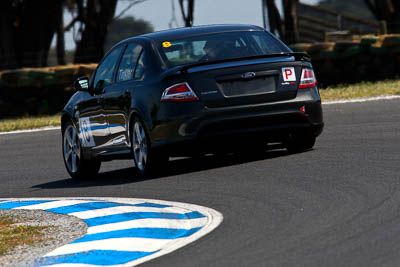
[128, 62]
[139, 72]
[105, 70]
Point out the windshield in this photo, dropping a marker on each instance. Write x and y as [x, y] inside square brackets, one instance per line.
[219, 46]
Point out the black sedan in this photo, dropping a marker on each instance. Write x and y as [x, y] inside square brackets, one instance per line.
[190, 91]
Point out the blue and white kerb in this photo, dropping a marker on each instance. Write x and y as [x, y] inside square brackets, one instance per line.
[122, 232]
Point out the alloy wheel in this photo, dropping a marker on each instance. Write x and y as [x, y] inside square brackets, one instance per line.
[139, 142]
[72, 151]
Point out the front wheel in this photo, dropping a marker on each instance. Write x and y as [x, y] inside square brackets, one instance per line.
[76, 165]
[146, 160]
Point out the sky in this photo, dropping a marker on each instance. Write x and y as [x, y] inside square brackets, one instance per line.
[159, 13]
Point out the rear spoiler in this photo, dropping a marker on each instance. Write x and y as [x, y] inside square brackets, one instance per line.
[299, 56]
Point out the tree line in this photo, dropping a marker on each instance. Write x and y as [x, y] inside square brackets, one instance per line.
[27, 27]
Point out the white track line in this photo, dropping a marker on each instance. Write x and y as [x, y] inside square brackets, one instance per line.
[79, 265]
[52, 205]
[122, 209]
[41, 129]
[329, 102]
[360, 100]
[121, 244]
[149, 223]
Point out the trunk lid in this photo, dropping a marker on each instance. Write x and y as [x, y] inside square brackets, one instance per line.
[228, 84]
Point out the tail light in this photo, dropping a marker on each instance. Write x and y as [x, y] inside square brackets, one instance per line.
[307, 79]
[180, 92]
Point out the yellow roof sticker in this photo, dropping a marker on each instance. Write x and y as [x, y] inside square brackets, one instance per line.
[166, 44]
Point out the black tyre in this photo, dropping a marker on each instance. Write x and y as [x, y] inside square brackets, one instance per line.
[300, 142]
[76, 165]
[147, 161]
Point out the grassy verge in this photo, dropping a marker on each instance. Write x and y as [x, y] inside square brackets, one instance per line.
[363, 89]
[12, 236]
[7, 125]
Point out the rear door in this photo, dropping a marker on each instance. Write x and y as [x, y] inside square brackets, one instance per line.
[117, 99]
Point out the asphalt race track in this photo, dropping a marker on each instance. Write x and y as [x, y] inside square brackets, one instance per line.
[337, 205]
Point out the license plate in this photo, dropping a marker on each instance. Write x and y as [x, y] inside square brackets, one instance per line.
[257, 86]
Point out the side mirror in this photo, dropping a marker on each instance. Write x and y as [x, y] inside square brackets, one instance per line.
[82, 84]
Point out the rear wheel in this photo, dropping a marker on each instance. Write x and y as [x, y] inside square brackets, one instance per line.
[76, 165]
[147, 160]
[300, 142]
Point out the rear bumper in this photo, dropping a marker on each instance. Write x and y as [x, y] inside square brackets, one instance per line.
[271, 121]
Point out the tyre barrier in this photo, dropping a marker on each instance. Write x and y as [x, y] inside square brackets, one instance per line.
[369, 58]
[34, 91]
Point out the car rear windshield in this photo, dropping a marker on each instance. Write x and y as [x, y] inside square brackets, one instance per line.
[219, 46]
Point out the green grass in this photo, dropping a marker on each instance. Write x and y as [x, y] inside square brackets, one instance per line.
[7, 125]
[12, 236]
[363, 89]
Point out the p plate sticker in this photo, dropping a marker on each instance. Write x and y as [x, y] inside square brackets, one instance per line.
[166, 44]
[289, 75]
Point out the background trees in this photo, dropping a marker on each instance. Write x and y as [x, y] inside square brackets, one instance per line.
[124, 28]
[27, 27]
[286, 25]
[187, 11]
[26, 31]
[94, 17]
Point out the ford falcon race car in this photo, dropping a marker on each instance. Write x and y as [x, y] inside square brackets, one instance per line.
[187, 91]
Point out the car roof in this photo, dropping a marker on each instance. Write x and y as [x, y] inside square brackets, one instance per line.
[179, 33]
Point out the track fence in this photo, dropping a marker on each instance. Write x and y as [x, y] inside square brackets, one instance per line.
[318, 24]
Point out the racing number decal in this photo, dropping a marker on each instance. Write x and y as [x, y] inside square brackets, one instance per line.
[166, 44]
[289, 74]
[85, 133]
